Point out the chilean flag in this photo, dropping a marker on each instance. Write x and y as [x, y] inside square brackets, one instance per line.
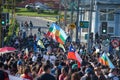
[72, 54]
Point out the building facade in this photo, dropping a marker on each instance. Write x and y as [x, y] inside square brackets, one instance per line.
[104, 13]
[108, 12]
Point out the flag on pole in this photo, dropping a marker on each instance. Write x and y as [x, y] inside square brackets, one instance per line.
[104, 60]
[61, 46]
[72, 54]
[57, 33]
[26, 51]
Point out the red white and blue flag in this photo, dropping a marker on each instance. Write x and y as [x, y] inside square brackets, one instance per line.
[73, 54]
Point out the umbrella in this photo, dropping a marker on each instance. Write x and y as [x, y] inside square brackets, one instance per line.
[7, 49]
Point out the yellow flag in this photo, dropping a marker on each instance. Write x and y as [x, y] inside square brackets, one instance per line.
[61, 46]
[40, 43]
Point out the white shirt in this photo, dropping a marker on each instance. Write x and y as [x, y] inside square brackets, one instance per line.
[45, 57]
[34, 58]
[52, 59]
[113, 76]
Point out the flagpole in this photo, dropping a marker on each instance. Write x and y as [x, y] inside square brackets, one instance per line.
[77, 22]
[59, 12]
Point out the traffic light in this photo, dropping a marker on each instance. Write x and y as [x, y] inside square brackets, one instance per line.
[3, 16]
[7, 18]
[104, 27]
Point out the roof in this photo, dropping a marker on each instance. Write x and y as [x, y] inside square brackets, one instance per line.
[108, 1]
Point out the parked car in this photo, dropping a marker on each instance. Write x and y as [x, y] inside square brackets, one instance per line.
[30, 6]
[40, 6]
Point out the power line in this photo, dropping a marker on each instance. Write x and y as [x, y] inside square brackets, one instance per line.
[110, 12]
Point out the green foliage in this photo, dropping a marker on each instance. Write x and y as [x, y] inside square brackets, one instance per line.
[56, 11]
[13, 28]
[18, 1]
[25, 12]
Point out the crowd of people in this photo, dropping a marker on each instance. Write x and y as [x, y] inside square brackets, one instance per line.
[51, 63]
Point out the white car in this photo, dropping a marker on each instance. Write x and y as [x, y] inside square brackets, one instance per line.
[40, 6]
[31, 5]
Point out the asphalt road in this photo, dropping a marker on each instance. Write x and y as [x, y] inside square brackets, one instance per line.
[37, 22]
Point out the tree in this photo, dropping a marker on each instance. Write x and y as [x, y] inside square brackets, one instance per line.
[19, 1]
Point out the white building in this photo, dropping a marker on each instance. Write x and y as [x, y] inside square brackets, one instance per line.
[103, 11]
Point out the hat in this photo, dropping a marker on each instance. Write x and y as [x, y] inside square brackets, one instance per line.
[88, 70]
[74, 66]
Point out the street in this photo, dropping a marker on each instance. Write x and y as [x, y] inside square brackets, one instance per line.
[37, 22]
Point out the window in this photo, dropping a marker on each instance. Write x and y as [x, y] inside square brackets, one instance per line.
[110, 15]
[106, 14]
[103, 15]
[110, 29]
[84, 29]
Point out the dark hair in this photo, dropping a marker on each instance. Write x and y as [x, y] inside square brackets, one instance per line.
[6, 67]
[66, 69]
[1, 64]
[56, 63]
[46, 67]
[26, 70]
[75, 76]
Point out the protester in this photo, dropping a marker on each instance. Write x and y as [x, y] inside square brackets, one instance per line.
[3, 74]
[75, 76]
[64, 73]
[51, 62]
[27, 73]
[113, 74]
[46, 75]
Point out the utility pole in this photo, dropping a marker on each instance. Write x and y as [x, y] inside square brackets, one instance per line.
[65, 13]
[77, 21]
[59, 12]
[8, 6]
[0, 23]
[90, 25]
[71, 20]
[72, 10]
[13, 8]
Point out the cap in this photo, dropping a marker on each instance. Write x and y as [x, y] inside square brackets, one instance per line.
[88, 70]
[74, 66]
